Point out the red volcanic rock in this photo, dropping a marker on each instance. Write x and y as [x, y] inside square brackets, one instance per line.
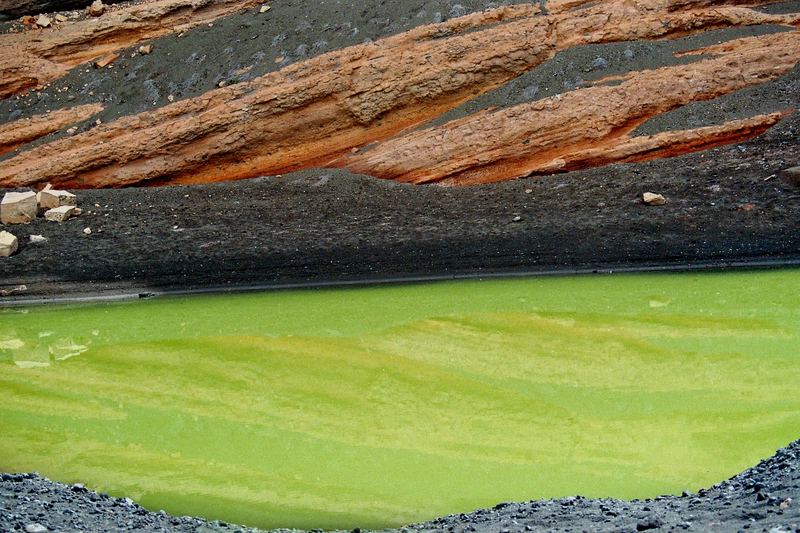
[314, 112]
[36, 57]
[587, 127]
[19, 132]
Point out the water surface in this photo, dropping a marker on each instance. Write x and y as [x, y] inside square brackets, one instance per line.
[382, 406]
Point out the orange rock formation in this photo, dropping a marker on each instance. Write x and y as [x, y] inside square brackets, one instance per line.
[19, 132]
[586, 127]
[39, 56]
[313, 113]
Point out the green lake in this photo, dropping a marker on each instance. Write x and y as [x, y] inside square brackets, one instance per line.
[377, 407]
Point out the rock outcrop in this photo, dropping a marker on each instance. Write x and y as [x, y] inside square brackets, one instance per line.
[10, 9]
[39, 56]
[19, 132]
[587, 127]
[316, 112]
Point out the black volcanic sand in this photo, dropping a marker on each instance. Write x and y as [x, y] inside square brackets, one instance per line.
[765, 498]
[725, 206]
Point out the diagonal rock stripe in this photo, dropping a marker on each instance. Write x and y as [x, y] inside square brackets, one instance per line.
[313, 113]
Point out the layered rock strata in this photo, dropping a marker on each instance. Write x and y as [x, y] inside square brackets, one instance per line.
[587, 127]
[10, 9]
[319, 111]
[16, 133]
[41, 55]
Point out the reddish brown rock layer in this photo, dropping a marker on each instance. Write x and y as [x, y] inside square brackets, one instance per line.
[16, 8]
[586, 127]
[39, 56]
[311, 113]
[19, 132]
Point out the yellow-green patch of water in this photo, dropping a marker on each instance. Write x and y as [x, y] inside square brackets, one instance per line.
[382, 406]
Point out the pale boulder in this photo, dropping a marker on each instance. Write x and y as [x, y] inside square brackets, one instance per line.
[50, 198]
[18, 207]
[650, 198]
[8, 244]
[60, 214]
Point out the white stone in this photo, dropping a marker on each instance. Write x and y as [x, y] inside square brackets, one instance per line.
[18, 207]
[60, 214]
[35, 528]
[50, 198]
[8, 244]
[653, 199]
[43, 21]
[37, 239]
[264, 9]
[87, 231]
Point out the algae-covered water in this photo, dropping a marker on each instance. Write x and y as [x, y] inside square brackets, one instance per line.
[382, 406]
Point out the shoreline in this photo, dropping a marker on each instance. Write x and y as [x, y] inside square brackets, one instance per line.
[84, 293]
[765, 497]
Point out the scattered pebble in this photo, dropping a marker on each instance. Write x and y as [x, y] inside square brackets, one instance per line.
[37, 239]
[35, 528]
[43, 21]
[145, 49]
[87, 231]
[106, 60]
[264, 9]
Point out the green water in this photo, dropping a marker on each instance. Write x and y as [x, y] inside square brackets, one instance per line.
[382, 406]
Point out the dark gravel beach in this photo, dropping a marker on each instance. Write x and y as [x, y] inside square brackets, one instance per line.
[727, 206]
[764, 498]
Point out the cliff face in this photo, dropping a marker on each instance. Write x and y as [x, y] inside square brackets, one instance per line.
[41, 55]
[10, 9]
[361, 107]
